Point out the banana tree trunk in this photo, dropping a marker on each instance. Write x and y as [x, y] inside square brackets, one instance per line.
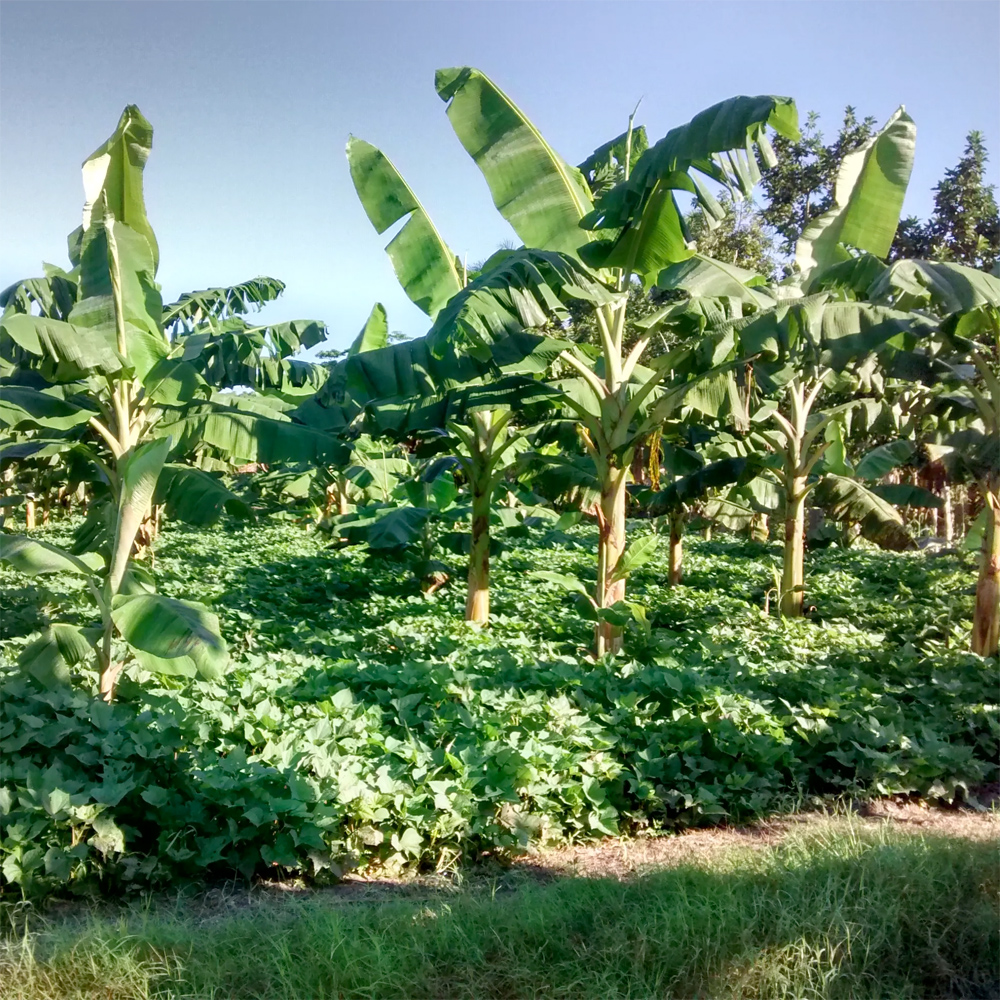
[986, 623]
[948, 512]
[29, 515]
[676, 548]
[793, 570]
[477, 604]
[611, 545]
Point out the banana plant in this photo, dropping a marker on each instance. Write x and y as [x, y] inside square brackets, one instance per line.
[635, 229]
[408, 392]
[966, 304]
[409, 395]
[98, 361]
[799, 337]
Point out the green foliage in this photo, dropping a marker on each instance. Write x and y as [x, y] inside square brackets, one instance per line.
[965, 225]
[840, 910]
[360, 722]
[799, 186]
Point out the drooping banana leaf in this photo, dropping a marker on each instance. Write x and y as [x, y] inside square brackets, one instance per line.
[240, 435]
[534, 189]
[193, 308]
[525, 290]
[907, 495]
[820, 330]
[646, 224]
[23, 408]
[848, 500]
[945, 287]
[704, 277]
[692, 487]
[232, 353]
[34, 557]
[49, 657]
[52, 296]
[169, 636]
[868, 196]
[884, 458]
[73, 351]
[425, 266]
[196, 497]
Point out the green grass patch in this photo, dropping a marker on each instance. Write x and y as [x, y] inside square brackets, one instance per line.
[840, 912]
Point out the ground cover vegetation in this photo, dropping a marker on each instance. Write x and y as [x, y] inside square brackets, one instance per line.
[837, 912]
[330, 700]
[361, 721]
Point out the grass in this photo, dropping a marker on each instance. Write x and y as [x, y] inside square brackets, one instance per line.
[842, 910]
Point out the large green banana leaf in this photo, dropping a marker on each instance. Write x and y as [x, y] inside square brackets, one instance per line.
[27, 408]
[169, 636]
[196, 497]
[425, 266]
[819, 330]
[232, 353]
[406, 370]
[112, 181]
[695, 485]
[523, 290]
[535, 190]
[945, 287]
[868, 196]
[52, 296]
[220, 303]
[240, 435]
[718, 143]
[848, 500]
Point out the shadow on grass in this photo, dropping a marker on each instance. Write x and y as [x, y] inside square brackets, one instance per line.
[839, 914]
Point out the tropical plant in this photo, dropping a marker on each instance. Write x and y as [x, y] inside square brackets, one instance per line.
[802, 335]
[88, 350]
[966, 303]
[408, 391]
[635, 229]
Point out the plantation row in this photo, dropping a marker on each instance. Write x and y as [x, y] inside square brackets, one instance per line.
[605, 367]
[362, 722]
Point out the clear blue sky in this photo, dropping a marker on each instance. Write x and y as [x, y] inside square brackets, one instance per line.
[252, 104]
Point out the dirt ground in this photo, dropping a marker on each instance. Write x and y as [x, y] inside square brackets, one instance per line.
[620, 858]
[629, 857]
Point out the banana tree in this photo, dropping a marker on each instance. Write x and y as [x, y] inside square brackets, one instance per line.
[410, 395]
[966, 304]
[800, 336]
[635, 229]
[407, 391]
[99, 361]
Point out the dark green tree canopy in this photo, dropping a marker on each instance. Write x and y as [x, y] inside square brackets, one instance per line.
[965, 226]
[800, 186]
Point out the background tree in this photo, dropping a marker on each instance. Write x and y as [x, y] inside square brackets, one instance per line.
[965, 225]
[739, 238]
[799, 186]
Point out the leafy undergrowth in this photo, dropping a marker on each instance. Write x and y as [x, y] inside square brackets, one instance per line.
[840, 912]
[362, 723]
